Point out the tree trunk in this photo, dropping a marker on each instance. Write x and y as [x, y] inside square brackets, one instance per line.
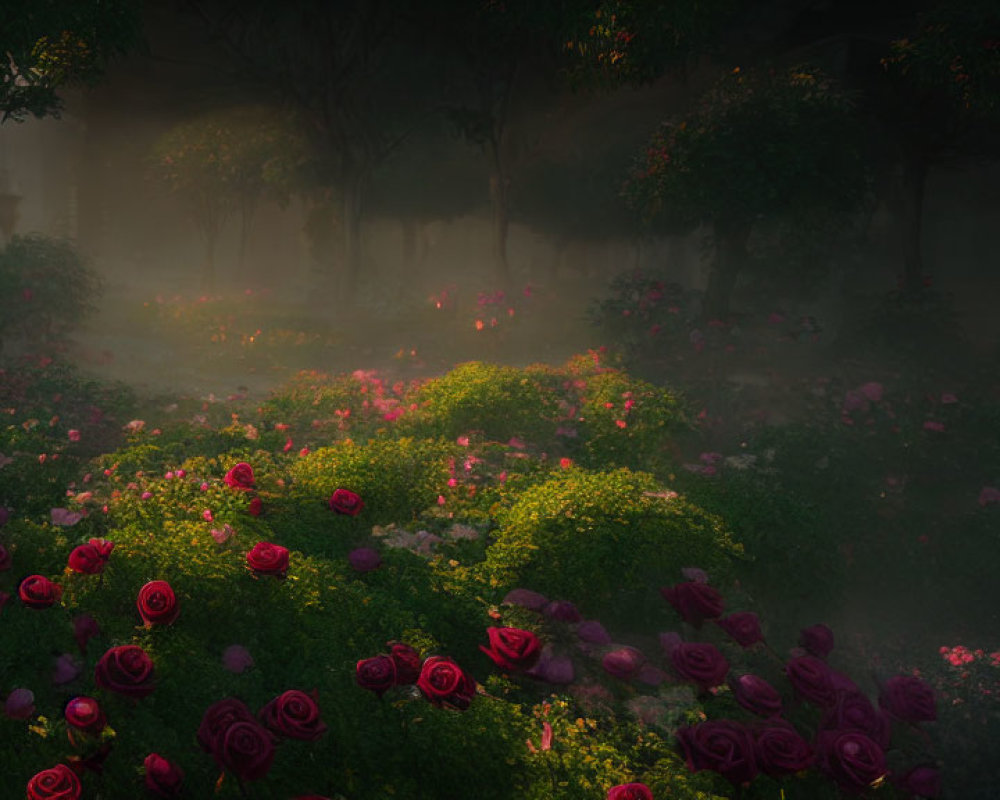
[208, 265]
[730, 256]
[353, 198]
[248, 209]
[500, 199]
[911, 214]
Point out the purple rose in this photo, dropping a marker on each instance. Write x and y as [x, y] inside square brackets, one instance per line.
[563, 611]
[780, 749]
[756, 695]
[853, 711]
[364, 559]
[552, 668]
[623, 662]
[526, 599]
[743, 626]
[812, 681]
[817, 640]
[694, 601]
[908, 698]
[593, 632]
[853, 760]
[722, 746]
[924, 781]
[702, 664]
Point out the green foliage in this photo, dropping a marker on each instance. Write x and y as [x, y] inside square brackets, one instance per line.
[605, 540]
[56, 44]
[489, 401]
[759, 144]
[46, 289]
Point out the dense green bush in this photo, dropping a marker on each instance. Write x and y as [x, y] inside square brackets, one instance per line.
[606, 540]
[46, 289]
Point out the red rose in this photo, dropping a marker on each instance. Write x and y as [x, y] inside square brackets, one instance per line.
[407, 661]
[817, 640]
[702, 664]
[444, 683]
[268, 559]
[6, 558]
[780, 750]
[104, 547]
[344, 501]
[721, 746]
[86, 559]
[163, 778]
[908, 698]
[246, 749]
[743, 626]
[694, 601]
[295, 715]
[217, 718]
[812, 680]
[512, 648]
[630, 791]
[157, 604]
[85, 714]
[37, 591]
[256, 507]
[377, 674]
[56, 783]
[853, 760]
[756, 695]
[240, 477]
[126, 669]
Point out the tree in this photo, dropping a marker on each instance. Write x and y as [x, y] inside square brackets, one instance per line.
[940, 104]
[349, 71]
[48, 45]
[759, 146]
[224, 163]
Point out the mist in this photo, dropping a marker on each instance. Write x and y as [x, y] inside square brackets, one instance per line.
[825, 369]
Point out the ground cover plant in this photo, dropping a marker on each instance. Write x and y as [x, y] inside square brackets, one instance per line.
[357, 588]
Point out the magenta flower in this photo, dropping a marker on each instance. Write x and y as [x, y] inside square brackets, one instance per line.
[743, 626]
[236, 658]
[20, 704]
[623, 662]
[364, 559]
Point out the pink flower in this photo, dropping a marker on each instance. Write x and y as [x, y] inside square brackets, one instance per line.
[85, 627]
[947, 398]
[20, 704]
[872, 391]
[67, 669]
[223, 534]
[236, 658]
[932, 425]
[64, 517]
[989, 494]
[207, 515]
[364, 559]
[74, 435]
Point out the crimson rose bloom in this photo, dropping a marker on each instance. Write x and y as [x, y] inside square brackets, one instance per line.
[163, 778]
[817, 640]
[853, 711]
[246, 749]
[407, 661]
[756, 695]
[812, 680]
[126, 669]
[445, 683]
[268, 559]
[722, 746]
[630, 791]
[852, 759]
[37, 591]
[84, 713]
[6, 559]
[695, 602]
[157, 604]
[743, 626]
[86, 559]
[295, 715]
[780, 749]
[56, 783]
[512, 648]
[702, 664]
[377, 674]
[623, 663]
[217, 718]
[344, 501]
[908, 698]
[240, 477]
[256, 507]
